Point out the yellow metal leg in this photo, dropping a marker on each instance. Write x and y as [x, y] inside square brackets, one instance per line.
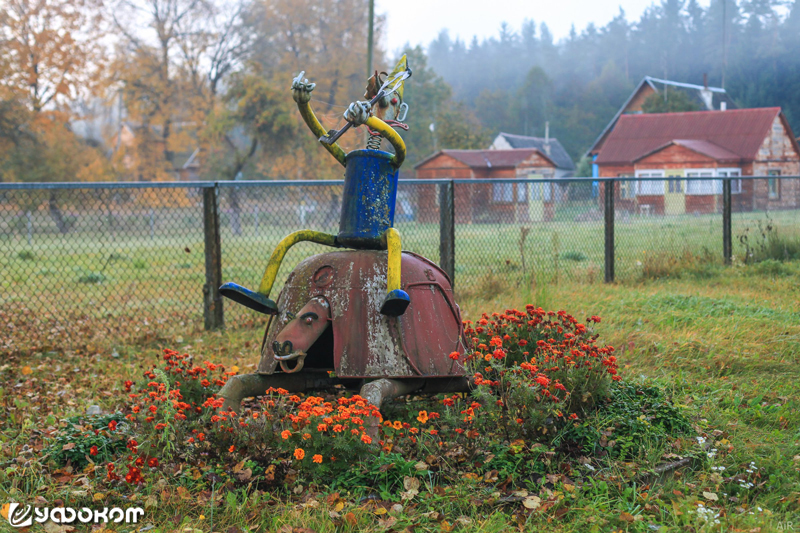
[395, 253]
[271, 272]
[397, 300]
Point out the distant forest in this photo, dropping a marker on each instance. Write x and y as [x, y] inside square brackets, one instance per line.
[518, 80]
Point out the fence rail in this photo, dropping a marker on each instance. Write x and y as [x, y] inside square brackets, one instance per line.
[162, 248]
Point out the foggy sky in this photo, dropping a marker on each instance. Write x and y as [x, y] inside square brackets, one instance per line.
[420, 21]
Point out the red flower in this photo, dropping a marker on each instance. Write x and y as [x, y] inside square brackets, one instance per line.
[93, 450]
[454, 356]
[152, 462]
[112, 426]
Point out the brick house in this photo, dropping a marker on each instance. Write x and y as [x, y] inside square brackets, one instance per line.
[491, 202]
[712, 144]
[705, 97]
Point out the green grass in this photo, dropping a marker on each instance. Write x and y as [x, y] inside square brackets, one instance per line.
[726, 347]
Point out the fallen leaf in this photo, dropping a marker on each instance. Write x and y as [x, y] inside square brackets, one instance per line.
[67, 447]
[626, 517]
[710, 496]
[26, 371]
[98, 497]
[532, 502]
[350, 518]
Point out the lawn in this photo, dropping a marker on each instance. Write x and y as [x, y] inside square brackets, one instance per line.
[724, 343]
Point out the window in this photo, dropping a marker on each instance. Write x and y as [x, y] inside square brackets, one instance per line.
[653, 188]
[627, 188]
[675, 186]
[522, 193]
[774, 185]
[736, 185]
[502, 192]
[701, 187]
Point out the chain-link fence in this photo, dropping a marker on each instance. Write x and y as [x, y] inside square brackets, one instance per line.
[143, 248]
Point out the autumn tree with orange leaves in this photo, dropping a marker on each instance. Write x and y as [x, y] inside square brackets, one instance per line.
[48, 58]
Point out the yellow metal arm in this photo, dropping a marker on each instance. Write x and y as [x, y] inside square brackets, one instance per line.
[392, 136]
[392, 238]
[271, 272]
[316, 127]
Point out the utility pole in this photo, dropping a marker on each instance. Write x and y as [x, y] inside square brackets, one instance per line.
[724, 40]
[369, 37]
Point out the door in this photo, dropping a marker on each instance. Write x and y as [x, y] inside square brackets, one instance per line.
[536, 198]
[674, 193]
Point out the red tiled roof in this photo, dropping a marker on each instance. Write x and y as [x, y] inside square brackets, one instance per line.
[735, 133]
[488, 158]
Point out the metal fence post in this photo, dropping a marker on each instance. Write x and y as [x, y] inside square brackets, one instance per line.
[727, 239]
[447, 226]
[608, 190]
[212, 300]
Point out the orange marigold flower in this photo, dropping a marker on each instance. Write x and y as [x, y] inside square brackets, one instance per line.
[422, 417]
[306, 436]
[454, 356]
[338, 428]
[322, 427]
[317, 459]
[285, 434]
[366, 439]
[397, 425]
[232, 448]
[299, 453]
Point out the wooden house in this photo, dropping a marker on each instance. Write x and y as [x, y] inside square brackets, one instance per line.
[702, 144]
[491, 202]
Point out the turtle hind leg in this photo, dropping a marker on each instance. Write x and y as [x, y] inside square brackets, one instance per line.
[380, 390]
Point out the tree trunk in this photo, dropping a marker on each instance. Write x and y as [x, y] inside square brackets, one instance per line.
[56, 215]
[236, 211]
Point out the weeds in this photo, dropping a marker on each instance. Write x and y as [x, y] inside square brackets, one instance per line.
[768, 244]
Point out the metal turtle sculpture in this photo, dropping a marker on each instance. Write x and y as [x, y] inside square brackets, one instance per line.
[372, 318]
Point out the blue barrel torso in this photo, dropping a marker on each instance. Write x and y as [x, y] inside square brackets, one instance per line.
[370, 192]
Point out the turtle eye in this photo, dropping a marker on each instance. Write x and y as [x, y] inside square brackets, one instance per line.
[309, 318]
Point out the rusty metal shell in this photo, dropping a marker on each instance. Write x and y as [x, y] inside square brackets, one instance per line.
[366, 343]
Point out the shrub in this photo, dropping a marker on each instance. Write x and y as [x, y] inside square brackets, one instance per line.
[87, 438]
[534, 371]
[768, 244]
[634, 419]
[27, 255]
[91, 277]
[574, 256]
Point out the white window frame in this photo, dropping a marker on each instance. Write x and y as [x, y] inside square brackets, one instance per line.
[702, 187]
[650, 188]
[736, 185]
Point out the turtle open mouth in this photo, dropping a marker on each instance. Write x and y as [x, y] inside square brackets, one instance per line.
[284, 353]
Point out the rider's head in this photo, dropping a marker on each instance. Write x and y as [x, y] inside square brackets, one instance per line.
[390, 107]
